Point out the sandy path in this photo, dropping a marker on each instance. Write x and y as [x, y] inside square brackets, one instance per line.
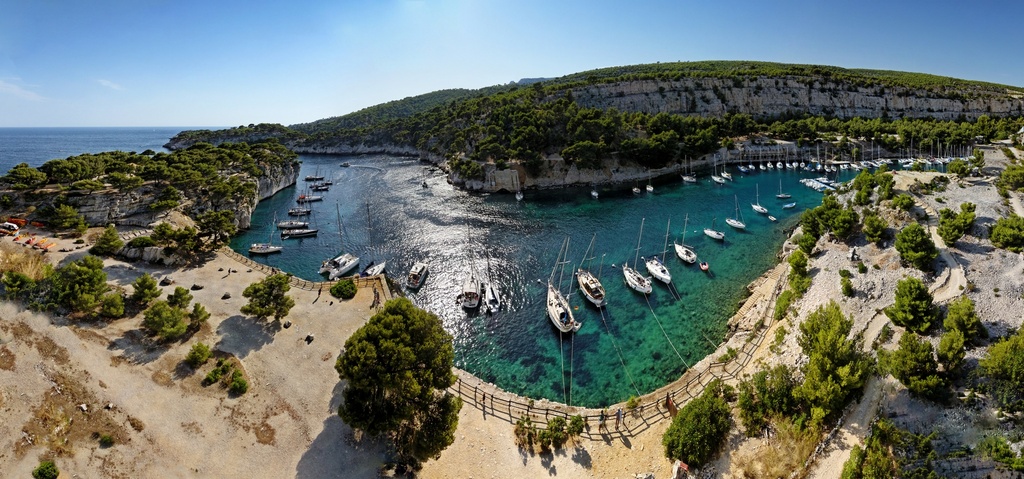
[285, 426]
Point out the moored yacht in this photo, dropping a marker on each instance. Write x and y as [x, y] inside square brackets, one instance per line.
[633, 277]
[713, 233]
[684, 252]
[657, 267]
[557, 306]
[417, 275]
[591, 287]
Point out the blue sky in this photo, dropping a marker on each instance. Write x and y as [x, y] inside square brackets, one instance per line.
[226, 63]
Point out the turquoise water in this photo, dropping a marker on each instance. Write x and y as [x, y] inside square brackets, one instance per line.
[387, 215]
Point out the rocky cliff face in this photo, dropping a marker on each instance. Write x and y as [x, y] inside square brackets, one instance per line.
[276, 179]
[773, 97]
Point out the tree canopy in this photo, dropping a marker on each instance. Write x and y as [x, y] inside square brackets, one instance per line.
[699, 429]
[268, 298]
[835, 368]
[914, 365]
[396, 369]
[913, 308]
[916, 247]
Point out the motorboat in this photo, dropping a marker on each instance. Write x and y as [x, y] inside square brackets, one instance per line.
[308, 198]
[593, 193]
[265, 248]
[789, 205]
[417, 275]
[375, 269]
[519, 195]
[772, 218]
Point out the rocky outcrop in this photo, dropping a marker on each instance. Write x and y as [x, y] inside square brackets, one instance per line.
[774, 97]
[275, 179]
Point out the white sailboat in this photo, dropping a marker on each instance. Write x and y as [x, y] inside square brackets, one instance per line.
[338, 266]
[266, 248]
[470, 296]
[713, 233]
[634, 279]
[757, 203]
[591, 287]
[736, 222]
[657, 267]
[593, 192]
[492, 300]
[688, 177]
[559, 311]
[781, 195]
[300, 232]
[684, 252]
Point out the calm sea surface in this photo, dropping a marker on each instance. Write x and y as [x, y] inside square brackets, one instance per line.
[636, 345]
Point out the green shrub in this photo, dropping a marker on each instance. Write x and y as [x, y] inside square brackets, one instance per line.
[632, 403]
[112, 306]
[108, 243]
[106, 440]
[344, 289]
[576, 425]
[698, 430]
[845, 273]
[913, 308]
[238, 385]
[861, 268]
[903, 201]
[141, 242]
[847, 286]
[782, 304]
[46, 470]
[198, 355]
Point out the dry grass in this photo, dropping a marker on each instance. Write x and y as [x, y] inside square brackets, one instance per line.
[781, 455]
[15, 257]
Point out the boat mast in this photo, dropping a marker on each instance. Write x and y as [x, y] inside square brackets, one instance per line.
[561, 264]
[667, 229]
[637, 255]
[686, 220]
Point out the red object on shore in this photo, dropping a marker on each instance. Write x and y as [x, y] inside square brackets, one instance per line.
[21, 222]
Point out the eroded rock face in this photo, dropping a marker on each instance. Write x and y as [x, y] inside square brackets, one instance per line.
[772, 97]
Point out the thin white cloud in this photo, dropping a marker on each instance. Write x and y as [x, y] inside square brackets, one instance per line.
[9, 88]
[109, 84]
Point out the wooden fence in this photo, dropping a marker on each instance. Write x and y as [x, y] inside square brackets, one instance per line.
[652, 408]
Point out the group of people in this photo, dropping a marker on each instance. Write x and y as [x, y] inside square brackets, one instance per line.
[619, 419]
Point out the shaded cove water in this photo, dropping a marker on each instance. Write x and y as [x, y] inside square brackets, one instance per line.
[635, 346]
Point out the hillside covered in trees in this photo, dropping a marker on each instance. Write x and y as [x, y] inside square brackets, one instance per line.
[655, 115]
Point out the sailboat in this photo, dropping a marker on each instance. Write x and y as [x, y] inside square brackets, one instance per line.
[471, 288]
[303, 232]
[292, 224]
[337, 266]
[715, 176]
[757, 204]
[634, 279]
[593, 192]
[591, 287]
[492, 300]
[657, 267]
[559, 311]
[736, 222]
[519, 189]
[684, 252]
[650, 187]
[268, 247]
[781, 195]
[316, 176]
[299, 211]
[713, 233]
[688, 177]
[636, 189]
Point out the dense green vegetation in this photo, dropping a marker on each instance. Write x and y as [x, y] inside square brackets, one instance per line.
[836, 367]
[396, 369]
[526, 123]
[914, 365]
[216, 178]
[699, 429]
[953, 225]
[1008, 233]
[344, 289]
[892, 452]
[916, 247]
[268, 297]
[198, 355]
[913, 308]
[46, 470]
